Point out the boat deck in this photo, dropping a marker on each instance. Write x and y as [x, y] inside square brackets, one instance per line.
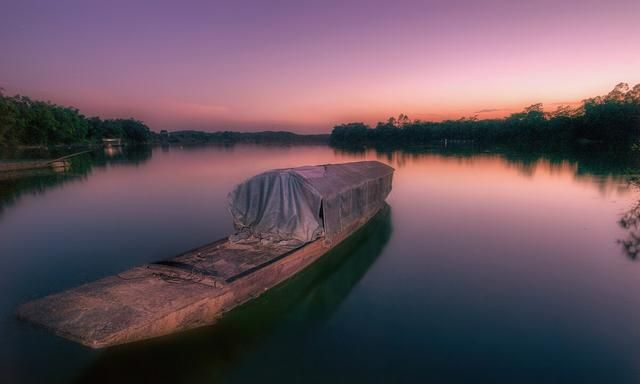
[107, 310]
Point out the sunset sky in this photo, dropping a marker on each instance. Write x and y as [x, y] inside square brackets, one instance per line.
[307, 65]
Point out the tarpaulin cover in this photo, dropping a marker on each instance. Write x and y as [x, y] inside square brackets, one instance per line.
[298, 205]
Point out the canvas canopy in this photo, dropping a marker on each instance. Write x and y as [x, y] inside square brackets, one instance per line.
[299, 205]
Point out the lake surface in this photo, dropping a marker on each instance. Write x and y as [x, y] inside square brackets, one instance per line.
[490, 267]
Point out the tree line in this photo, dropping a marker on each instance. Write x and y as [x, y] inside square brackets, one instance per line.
[613, 119]
[230, 137]
[24, 121]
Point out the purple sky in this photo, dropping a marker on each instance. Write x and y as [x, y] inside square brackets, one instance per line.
[306, 65]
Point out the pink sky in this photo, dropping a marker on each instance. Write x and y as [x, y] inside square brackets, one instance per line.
[305, 66]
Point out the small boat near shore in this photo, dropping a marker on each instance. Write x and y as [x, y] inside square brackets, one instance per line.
[285, 220]
[57, 164]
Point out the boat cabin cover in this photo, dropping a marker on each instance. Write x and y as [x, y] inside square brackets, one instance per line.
[298, 205]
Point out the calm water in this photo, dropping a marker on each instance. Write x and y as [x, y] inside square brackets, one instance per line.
[489, 267]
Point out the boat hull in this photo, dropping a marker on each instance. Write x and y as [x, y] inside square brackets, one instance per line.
[192, 290]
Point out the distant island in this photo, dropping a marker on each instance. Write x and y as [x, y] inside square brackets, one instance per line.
[612, 120]
[265, 137]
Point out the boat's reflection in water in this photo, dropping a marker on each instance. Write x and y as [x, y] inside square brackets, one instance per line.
[309, 298]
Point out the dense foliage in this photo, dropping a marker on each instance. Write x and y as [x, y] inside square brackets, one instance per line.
[613, 119]
[24, 121]
[229, 137]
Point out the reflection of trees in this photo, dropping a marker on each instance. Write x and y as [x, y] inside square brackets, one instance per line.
[15, 184]
[584, 161]
[310, 297]
[601, 167]
[630, 221]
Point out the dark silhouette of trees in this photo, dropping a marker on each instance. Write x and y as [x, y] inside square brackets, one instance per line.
[24, 121]
[613, 119]
[230, 137]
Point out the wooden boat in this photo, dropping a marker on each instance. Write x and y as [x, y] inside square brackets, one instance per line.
[286, 220]
[59, 164]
